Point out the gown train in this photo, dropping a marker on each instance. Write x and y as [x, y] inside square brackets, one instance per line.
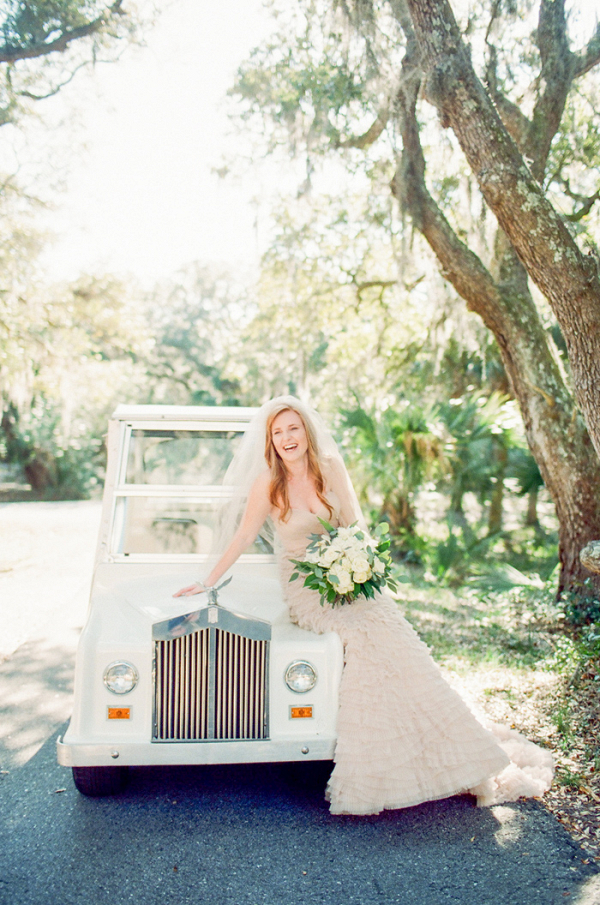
[404, 736]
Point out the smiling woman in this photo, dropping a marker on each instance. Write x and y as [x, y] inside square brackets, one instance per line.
[289, 436]
[403, 735]
[291, 454]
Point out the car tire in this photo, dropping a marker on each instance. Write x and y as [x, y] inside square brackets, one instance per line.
[312, 774]
[98, 781]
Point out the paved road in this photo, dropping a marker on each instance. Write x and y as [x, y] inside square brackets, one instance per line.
[245, 835]
[46, 559]
[258, 834]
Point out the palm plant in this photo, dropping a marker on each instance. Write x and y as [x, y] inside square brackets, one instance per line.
[393, 451]
[483, 431]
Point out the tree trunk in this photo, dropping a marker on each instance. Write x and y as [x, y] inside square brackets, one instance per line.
[532, 519]
[456, 511]
[497, 498]
[555, 432]
[567, 278]
[38, 465]
[399, 511]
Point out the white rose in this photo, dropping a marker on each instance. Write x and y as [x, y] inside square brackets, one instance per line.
[355, 549]
[378, 566]
[361, 577]
[346, 586]
[329, 557]
[360, 564]
[344, 582]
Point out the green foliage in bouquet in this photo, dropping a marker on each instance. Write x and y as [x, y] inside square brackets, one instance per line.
[345, 563]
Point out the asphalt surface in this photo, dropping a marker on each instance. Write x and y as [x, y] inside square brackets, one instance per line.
[243, 835]
[262, 834]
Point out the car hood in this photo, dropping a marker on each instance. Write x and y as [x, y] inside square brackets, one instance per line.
[254, 590]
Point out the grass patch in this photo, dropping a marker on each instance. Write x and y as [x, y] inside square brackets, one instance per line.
[475, 627]
[570, 780]
[515, 655]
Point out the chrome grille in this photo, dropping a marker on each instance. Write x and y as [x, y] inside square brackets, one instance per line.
[181, 687]
[211, 683]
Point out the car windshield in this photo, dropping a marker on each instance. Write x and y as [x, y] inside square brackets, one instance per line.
[171, 493]
[189, 457]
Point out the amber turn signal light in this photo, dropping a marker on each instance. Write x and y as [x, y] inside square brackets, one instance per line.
[119, 713]
[301, 713]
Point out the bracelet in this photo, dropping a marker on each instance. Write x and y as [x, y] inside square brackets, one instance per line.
[213, 589]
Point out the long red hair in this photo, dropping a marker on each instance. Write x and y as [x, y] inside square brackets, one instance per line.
[278, 488]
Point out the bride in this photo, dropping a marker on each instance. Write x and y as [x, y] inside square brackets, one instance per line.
[404, 736]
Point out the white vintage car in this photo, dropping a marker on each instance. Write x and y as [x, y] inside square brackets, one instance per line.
[188, 680]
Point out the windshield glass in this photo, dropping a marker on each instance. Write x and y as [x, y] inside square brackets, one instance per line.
[170, 525]
[198, 458]
[181, 473]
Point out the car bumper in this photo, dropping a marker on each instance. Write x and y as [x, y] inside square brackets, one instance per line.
[78, 754]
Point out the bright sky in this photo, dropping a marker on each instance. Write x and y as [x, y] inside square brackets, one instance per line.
[141, 197]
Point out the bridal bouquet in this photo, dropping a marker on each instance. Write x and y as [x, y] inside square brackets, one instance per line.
[345, 563]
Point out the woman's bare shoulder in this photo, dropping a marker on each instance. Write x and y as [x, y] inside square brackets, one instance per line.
[262, 482]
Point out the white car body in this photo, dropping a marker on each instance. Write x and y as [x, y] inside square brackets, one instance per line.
[211, 682]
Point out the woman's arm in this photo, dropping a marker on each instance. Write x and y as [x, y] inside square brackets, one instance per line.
[257, 511]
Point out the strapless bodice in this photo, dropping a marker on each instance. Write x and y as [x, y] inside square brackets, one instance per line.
[293, 533]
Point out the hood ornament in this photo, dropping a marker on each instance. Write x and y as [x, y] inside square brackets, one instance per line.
[213, 593]
[179, 626]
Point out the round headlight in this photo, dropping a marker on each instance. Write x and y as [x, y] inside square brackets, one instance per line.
[300, 676]
[120, 677]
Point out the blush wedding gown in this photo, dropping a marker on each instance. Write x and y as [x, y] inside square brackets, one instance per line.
[404, 736]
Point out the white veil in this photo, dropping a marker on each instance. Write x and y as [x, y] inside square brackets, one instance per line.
[249, 462]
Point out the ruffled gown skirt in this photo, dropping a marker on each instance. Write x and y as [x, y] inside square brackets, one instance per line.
[404, 736]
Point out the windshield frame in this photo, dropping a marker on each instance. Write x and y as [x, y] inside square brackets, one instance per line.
[123, 490]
